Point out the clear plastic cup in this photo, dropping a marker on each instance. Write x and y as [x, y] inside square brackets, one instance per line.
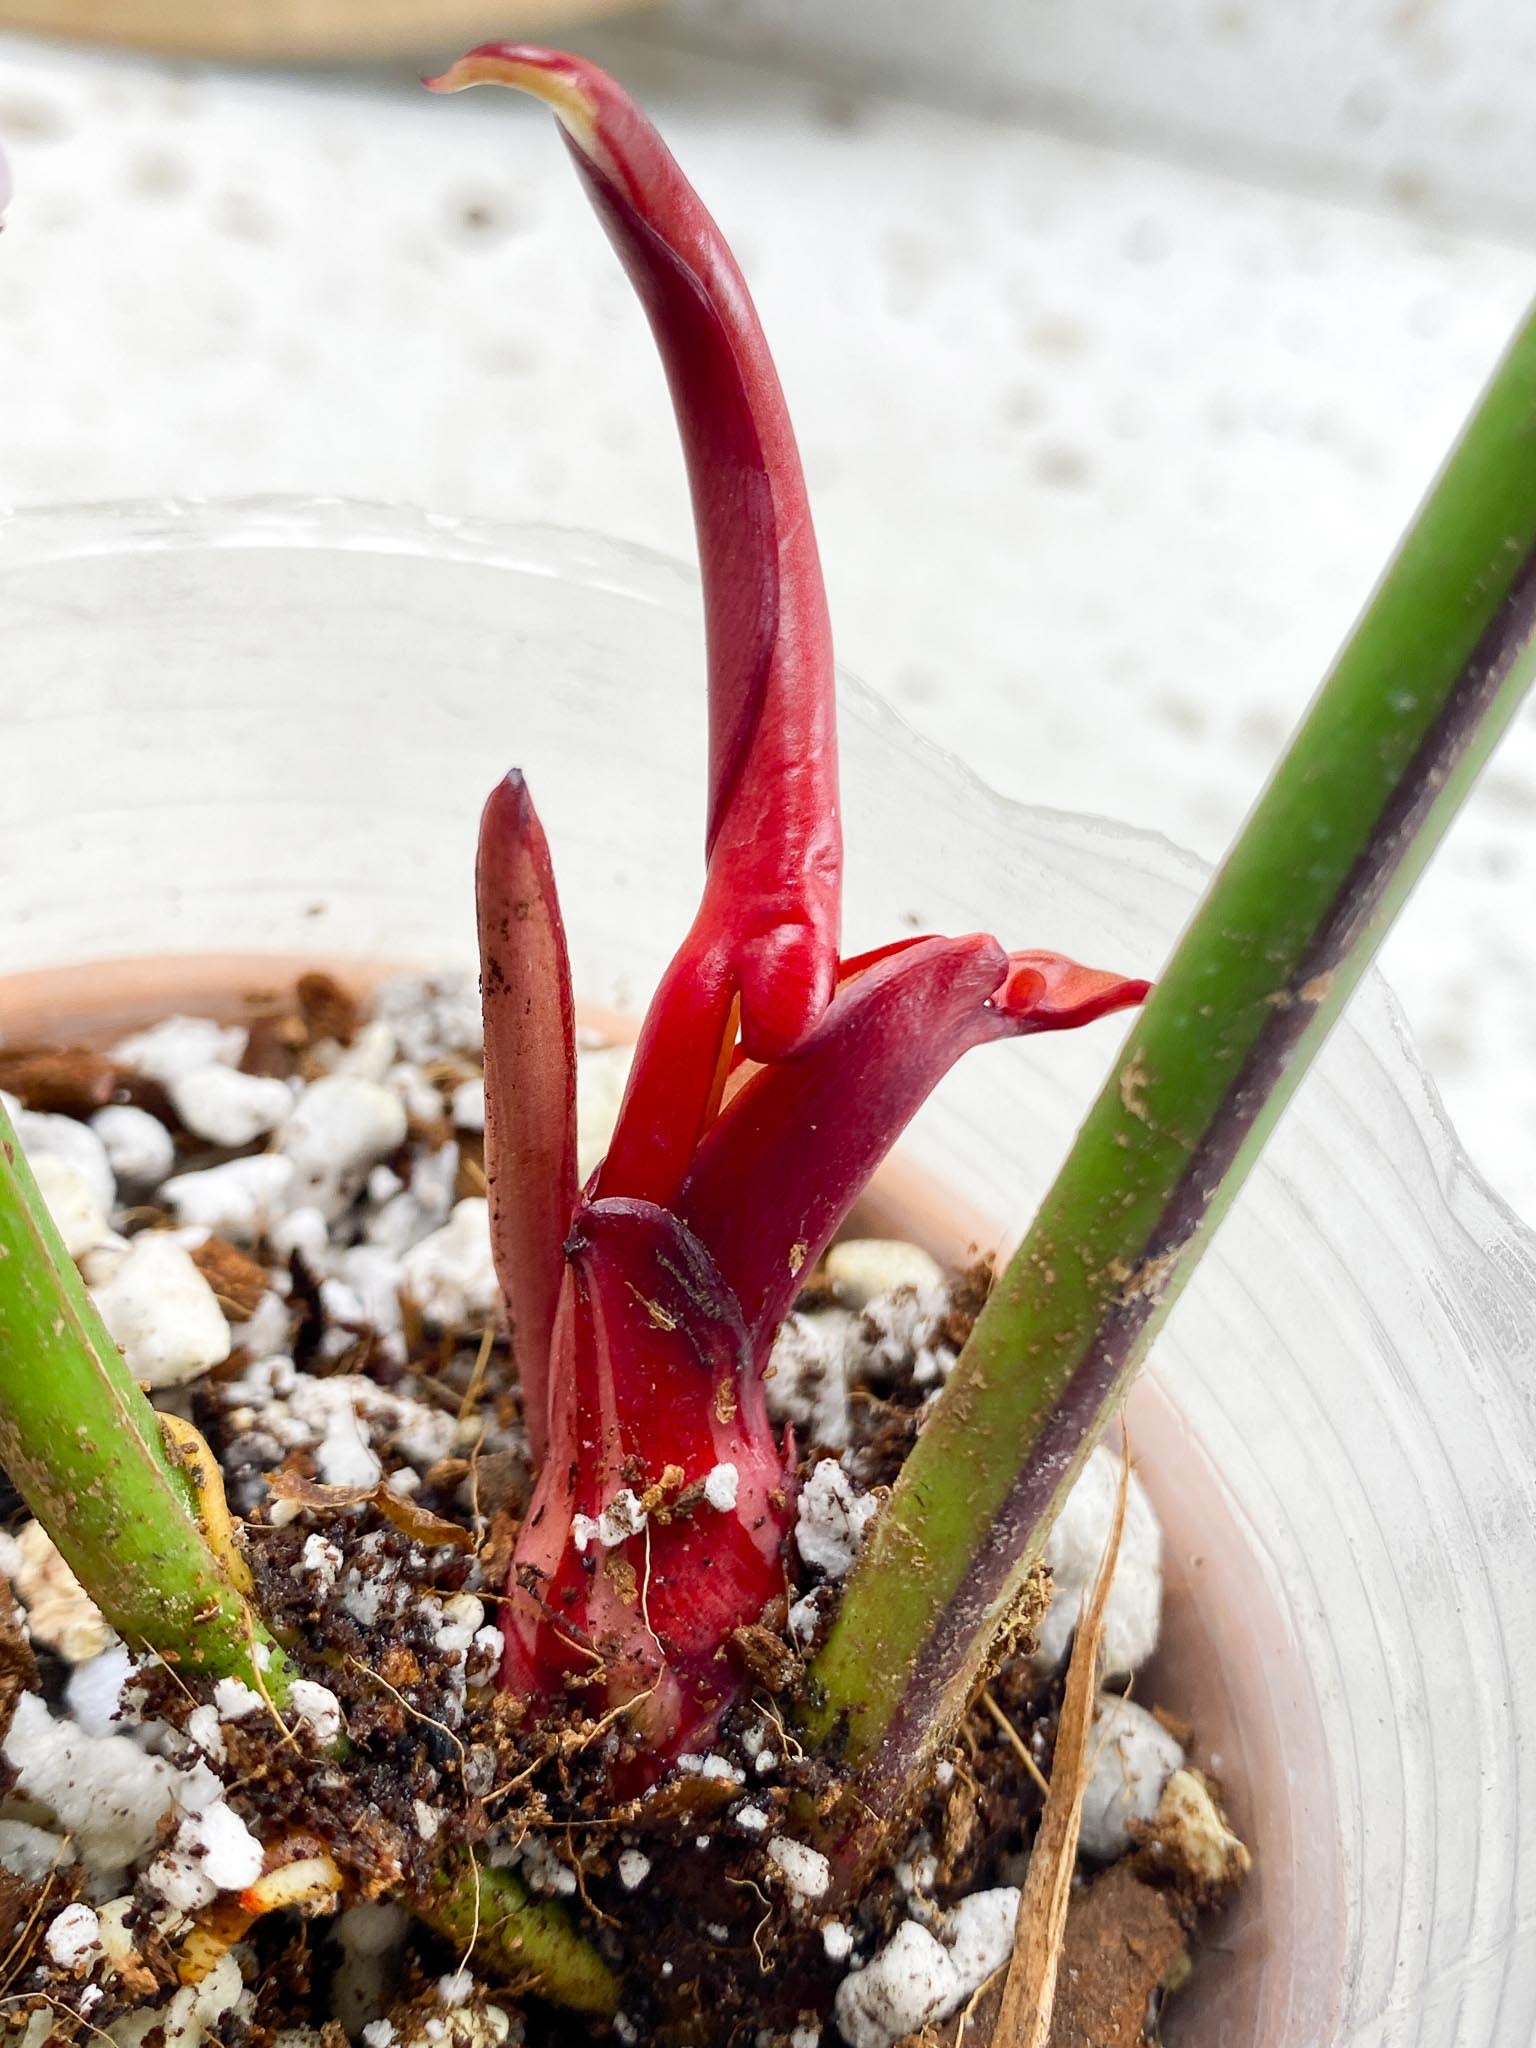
[269, 727]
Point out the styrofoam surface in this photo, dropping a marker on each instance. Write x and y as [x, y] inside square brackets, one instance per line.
[1104, 452]
[1424, 103]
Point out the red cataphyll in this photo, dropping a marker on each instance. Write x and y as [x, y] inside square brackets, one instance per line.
[770, 1078]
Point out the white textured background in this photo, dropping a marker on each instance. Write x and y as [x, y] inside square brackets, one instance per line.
[1105, 447]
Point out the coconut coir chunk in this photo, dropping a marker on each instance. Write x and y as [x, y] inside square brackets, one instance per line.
[67, 1080]
[1124, 1942]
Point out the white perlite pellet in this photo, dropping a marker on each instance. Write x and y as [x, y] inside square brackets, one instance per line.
[467, 1105]
[240, 1200]
[621, 1518]
[720, 1487]
[830, 1519]
[303, 1230]
[1133, 1758]
[417, 1096]
[68, 1143]
[103, 1791]
[139, 1149]
[30, 1853]
[94, 1691]
[491, 1641]
[318, 1707]
[543, 1869]
[807, 1378]
[710, 1766]
[910, 1982]
[73, 1937]
[266, 1331]
[370, 1055]
[340, 1127]
[227, 1107]
[837, 1940]
[634, 1869]
[804, 1616]
[450, 1275]
[805, 1870]
[202, 1727]
[1074, 1551]
[162, 1314]
[178, 1046]
[77, 1216]
[230, 1854]
[368, 1937]
[431, 1015]
[918, 1979]
[235, 1700]
[320, 1560]
[460, 1619]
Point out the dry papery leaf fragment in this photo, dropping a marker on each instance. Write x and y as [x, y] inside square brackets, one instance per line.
[1029, 1990]
[415, 1521]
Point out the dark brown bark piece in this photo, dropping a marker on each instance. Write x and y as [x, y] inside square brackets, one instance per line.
[771, 1660]
[1123, 1941]
[274, 1041]
[238, 1280]
[65, 1080]
[328, 1009]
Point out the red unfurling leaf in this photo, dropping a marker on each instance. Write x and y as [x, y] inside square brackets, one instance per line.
[1048, 992]
[530, 1080]
[767, 929]
[793, 1147]
[653, 1390]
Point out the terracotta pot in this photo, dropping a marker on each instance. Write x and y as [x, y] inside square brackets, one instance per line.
[270, 728]
[307, 31]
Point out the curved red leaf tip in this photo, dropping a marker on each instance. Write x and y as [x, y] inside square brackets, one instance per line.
[767, 930]
[1049, 992]
[659, 1521]
[563, 82]
[797, 1140]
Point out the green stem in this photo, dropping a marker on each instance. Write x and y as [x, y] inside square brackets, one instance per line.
[1426, 683]
[83, 1445]
[528, 1941]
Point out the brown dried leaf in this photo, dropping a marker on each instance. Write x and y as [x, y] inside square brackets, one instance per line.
[415, 1521]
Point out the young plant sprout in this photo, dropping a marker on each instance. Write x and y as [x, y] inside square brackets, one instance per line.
[770, 1078]
[650, 1550]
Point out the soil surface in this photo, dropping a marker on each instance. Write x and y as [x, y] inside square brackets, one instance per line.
[378, 1519]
